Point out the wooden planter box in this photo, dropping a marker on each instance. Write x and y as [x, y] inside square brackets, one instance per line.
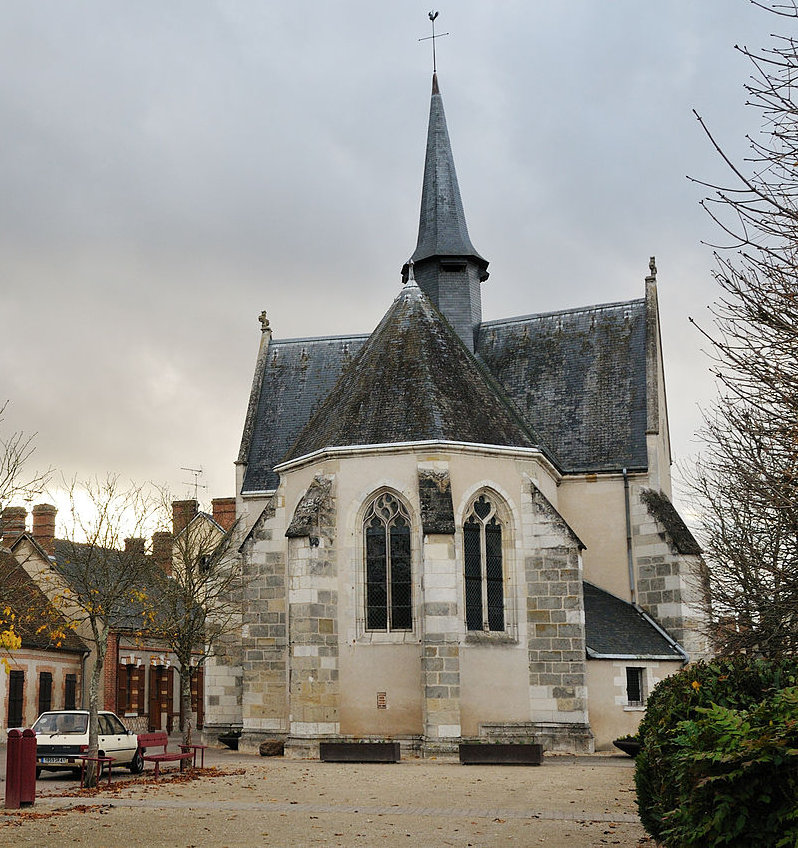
[359, 752]
[501, 753]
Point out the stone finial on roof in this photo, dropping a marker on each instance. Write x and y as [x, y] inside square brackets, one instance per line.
[652, 267]
[264, 322]
[411, 276]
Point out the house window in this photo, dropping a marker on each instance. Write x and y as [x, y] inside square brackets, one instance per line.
[386, 531]
[45, 691]
[16, 685]
[634, 686]
[70, 690]
[484, 573]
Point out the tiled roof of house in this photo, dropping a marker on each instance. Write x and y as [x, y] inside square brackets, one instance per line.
[36, 621]
[82, 565]
[578, 378]
[413, 380]
[614, 628]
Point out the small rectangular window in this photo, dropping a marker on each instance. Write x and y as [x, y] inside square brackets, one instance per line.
[634, 686]
[45, 691]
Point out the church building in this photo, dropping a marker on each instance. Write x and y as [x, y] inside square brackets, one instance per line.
[457, 529]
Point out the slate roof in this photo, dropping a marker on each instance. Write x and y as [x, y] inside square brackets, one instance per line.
[442, 229]
[298, 375]
[413, 380]
[614, 628]
[32, 609]
[128, 615]
[578, 378]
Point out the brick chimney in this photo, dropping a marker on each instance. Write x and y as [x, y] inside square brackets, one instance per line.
[162, 550]
[44, 527]
[135, 545]
[12, 524]
[224, 512]
[182, 513]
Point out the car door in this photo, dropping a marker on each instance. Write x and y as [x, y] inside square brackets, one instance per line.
[125, 743]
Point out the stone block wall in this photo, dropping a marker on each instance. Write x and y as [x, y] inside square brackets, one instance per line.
[668, 582]
[263, 633]
[555, 620]
[314, 686]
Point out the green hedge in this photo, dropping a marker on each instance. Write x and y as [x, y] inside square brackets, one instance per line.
[719, 762]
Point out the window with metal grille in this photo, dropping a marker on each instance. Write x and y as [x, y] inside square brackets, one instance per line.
[70, 690]
[389, 591]
[45, 691]
[484, 574]
[634, 686]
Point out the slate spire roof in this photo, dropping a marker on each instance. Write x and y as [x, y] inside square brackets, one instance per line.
[442, 229]
[413, 380]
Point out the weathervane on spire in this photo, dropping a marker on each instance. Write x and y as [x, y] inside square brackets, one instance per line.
[432, 16]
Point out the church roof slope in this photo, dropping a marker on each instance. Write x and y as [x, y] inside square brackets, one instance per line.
[614, 628]
[442, 229]
[298, 375]
[413, 380]
[578, 378]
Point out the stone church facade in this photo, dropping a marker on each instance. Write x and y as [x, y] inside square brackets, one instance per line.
[456, 529]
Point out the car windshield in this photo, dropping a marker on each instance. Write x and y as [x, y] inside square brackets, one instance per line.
[61, 723]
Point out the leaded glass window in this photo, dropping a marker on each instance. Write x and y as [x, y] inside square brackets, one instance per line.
[389, 592]
[484, 574]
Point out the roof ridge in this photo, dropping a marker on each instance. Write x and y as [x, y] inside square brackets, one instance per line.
[598, 307]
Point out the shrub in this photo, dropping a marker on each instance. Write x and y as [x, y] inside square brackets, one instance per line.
[679, 719]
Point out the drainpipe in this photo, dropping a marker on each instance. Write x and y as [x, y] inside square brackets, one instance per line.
[629, 560]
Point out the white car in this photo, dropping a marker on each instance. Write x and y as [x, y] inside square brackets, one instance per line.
[61, 735]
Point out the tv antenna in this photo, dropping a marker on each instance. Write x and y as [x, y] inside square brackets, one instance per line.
[196, 484]
[432, 16]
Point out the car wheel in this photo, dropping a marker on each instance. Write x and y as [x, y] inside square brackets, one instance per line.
[136, 765]
[38, 772]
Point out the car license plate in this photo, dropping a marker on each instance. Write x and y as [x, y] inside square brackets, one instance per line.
[52, 760]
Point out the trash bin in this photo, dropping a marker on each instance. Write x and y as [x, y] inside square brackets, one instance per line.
[20, 769]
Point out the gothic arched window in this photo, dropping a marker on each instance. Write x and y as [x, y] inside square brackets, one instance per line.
[484, 574]
[389, 595]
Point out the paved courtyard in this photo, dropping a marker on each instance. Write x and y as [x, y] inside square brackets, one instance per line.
[247, 801]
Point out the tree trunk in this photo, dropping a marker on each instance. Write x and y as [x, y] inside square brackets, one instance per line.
[101, 642]
[185, 700]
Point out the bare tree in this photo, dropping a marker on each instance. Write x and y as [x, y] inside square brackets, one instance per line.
[198, 599]
[99, 582]
[16, 482]
[746, 479]
[16, 450]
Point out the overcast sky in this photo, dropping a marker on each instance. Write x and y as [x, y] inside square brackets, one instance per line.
[170, 169]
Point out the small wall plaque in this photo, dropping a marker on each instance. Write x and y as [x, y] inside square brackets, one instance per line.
[382, 700]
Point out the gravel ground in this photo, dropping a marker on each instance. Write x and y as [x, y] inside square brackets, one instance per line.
[242, 800]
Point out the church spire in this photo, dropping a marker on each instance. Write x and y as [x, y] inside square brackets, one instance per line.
[447, 265]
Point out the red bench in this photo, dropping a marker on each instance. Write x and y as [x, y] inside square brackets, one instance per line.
[161, 740]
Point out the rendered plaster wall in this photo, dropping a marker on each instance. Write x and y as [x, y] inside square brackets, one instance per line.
[610, 715]
[594, 508]
[368, 670]
[494, 685]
